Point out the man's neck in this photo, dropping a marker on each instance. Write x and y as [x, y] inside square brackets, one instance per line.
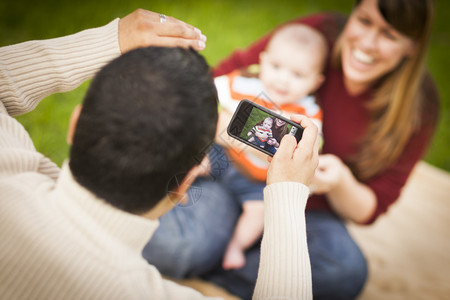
[163, 206]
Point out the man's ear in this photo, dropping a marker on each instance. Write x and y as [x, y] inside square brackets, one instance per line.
[179, 195]
[73, 123]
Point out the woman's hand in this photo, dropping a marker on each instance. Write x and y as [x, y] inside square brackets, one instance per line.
[143, 28]
[348, 197]
[328, 174]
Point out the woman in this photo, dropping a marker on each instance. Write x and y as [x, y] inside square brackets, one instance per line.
[380, 111]
[279, 129]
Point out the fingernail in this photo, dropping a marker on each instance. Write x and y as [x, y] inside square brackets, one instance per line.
[201, 44]
[202, 36]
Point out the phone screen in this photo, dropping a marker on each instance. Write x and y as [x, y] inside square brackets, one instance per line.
[261, 128]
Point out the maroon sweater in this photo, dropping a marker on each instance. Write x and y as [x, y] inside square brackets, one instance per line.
[345, 118]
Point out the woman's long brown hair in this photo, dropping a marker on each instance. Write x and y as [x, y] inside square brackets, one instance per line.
[396, 107]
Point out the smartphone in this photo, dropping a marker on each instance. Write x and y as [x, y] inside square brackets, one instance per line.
[260, 127]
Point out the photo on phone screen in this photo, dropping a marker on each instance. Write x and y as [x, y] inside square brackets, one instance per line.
[261, 128]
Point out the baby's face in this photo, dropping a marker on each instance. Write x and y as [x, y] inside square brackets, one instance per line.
[289, 72]
[267, 124]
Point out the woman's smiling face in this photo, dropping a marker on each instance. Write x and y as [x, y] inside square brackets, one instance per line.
[279, 123]
[371, 47]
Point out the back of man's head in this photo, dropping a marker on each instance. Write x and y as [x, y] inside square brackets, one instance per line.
[148, 116]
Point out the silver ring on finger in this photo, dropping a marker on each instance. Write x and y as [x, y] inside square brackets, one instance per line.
[162, 18]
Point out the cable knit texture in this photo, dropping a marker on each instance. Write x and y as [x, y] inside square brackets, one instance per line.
[284, 244]
[33, 70]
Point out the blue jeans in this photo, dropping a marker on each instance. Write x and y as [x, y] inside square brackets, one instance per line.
[258, 142]
[271, 148]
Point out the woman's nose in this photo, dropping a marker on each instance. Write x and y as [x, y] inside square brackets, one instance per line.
[369, 40]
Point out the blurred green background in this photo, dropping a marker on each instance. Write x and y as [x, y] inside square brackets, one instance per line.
[227, 24]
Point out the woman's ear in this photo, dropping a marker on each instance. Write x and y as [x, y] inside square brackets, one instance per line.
[73, 123]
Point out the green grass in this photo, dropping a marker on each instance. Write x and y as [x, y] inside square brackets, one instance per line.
[228, 25]
[255, 117]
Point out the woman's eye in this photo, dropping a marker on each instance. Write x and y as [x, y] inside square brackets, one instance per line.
[389, 35]
[364, 21]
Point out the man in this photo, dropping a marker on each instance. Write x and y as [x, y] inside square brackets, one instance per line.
[145, 124]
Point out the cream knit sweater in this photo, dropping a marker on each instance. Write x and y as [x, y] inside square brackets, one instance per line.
[58, 241]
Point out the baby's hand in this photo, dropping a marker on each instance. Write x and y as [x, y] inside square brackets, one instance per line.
[272, 141]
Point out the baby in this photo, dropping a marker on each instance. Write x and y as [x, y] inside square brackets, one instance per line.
[262, 133]
[290, 71]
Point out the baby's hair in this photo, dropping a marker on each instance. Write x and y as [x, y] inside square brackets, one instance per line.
[262, 121]
[268, 118]
[305, 36]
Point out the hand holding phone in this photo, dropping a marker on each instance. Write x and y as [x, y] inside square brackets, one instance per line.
[296, 161]
[261, 128]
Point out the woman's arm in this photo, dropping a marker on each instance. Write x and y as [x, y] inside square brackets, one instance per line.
[363, 202]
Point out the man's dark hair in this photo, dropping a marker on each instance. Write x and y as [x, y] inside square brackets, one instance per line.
[147, 117]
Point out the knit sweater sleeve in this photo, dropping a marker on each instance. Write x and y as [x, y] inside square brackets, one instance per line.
[32, 70]
[284, 270]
